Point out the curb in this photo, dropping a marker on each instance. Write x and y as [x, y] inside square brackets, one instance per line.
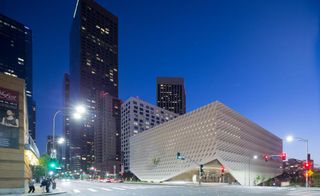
[185, 184]
[54, 193]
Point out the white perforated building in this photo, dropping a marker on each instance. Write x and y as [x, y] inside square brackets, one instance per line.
[213, 135]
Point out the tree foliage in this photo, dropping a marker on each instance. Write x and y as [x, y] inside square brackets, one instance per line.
[315, 179]
[44, 162]
[37, 172]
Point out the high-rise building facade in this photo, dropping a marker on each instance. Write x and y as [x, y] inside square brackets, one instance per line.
[66, 119]
[107, 134]
[16, 59]
[93, 68]
[171, 94]
[137, 116]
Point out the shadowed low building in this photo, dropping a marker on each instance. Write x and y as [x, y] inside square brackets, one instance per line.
[214, 136]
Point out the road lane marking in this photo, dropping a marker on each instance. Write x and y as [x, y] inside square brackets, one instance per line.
[117, 188]
[106, 189]
[92, 190]
[76, 191]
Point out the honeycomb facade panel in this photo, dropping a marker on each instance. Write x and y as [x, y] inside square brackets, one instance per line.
[212, 132]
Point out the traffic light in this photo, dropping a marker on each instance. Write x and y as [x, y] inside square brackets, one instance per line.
[266, 157]
[284, 156]
[307, 165]
[201, 168]
[178, 155]
[222, 169]
[52, 164]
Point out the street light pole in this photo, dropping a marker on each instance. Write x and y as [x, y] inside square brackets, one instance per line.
[307, 150]
[53, 151]
[307, 177]
[249, 172]
[79, 110]
[254, 157]
[289, 139]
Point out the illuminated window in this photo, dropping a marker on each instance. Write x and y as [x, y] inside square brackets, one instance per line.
[20, 59]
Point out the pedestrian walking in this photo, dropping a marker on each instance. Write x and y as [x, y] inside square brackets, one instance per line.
[48, 183]
[43, 184]
[54, 184]
[31, 186]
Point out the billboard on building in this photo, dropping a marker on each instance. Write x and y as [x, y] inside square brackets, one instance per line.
[9, 118]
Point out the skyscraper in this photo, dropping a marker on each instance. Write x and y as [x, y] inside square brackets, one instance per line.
[107, 134]
[171, 94]
[137, 116]
[93, 68]
[66, 119]
[16, 59]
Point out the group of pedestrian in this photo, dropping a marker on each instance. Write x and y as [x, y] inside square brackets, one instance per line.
[45, 184]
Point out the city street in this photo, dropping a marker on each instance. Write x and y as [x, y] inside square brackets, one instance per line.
[99, 188]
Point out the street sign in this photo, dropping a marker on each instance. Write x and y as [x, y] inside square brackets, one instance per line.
[180, 157]
[310, 172]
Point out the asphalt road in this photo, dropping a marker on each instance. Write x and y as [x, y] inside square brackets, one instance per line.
[99, 188]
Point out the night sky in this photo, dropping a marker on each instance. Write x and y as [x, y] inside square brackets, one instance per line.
[261, 58]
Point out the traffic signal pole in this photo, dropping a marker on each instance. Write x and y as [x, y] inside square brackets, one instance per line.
[183, 157]
[200, 176]
[307, 177]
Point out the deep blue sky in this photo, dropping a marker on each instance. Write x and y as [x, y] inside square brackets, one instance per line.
[261, 58]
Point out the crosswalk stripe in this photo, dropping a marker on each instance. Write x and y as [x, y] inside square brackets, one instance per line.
[128, 187]
[76, 191]
[143, 187]
[106, 189]
[301, 192]
[92, 190]
[117, 188]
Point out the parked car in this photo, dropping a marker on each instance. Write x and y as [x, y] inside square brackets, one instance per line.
[108, 180]
[101, 180]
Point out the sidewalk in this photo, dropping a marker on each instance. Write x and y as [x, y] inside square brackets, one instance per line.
[39, 191]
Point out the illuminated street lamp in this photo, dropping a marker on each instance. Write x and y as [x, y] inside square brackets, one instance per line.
[77, 116]
[61, 140]
[290, 138]
[79, 111]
